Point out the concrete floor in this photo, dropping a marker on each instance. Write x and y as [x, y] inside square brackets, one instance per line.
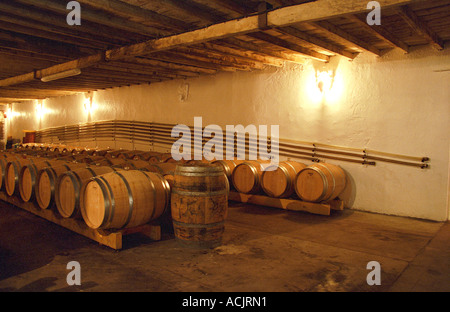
[264, 250]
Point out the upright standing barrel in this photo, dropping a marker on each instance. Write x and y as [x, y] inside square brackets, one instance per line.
[199, 204]
[124, 199]
[279, 180]
[246, 176]
[320, 182]
[68, 189]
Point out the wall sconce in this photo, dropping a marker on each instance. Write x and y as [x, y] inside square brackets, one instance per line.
[8, 112]
[39, 109]
[324, 80]
[88, 102]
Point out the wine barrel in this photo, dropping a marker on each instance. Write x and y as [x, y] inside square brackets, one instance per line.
[28, 175]
[246, 176]
[320, 182]
[45, 186]
[68, 189]
[162, 168]
[12, 172]
[228, 166]
[3, 162]
[124, 199]
[278, 181]
[199, 204]
[148, 156]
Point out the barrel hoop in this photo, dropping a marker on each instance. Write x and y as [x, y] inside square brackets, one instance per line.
[198, 226]
[200, 194]
[202, 170]
[130, 198]
[109, 206]
[91, 171]
[255, 175]
[332, 177]
[76, 185]
[154, 193]
[226, 166]
[198, 174]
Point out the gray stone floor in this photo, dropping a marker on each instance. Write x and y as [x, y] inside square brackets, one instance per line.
[263, 250]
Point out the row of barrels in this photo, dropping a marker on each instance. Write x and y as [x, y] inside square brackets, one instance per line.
[109, 198]
[319, 182]
[79, 153]
[59, 184]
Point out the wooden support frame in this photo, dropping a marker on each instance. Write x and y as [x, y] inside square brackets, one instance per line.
[109, 239]
[323, 209]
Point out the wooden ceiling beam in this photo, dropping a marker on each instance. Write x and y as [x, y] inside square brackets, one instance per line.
[340, 34]
[420, 27]
[319, 43]
[286, 16]
[282, 17]
[99, 17]
[245, 54]
[52, 36]
[69, 32]
[127, 10]
[380, 32]
[39, 16]
[169, 65]
[254, 48]
[291, 46]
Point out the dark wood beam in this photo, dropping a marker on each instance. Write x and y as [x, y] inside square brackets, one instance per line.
[319, 43]
[290, 46]
[379, 32]
[99, 17]
[420, 27]
[340, 34]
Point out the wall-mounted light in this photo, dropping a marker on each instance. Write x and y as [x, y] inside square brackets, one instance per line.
[324, 80]
[61, 75]
[88, 102]
[39, 109]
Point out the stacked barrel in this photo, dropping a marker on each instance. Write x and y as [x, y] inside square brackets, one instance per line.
[115, 189]
[108, 189]
[320, 182]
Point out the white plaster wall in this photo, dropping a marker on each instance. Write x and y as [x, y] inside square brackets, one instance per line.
[398, 104]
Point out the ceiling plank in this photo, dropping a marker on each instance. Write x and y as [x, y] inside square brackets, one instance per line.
[420, 27]
[379, 32]
[125, 9]
[338, 33]
[99, 17]
[291, 46]
[332, 48]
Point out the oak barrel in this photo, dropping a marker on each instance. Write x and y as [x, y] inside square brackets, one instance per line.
[3, 162]
[199, 204]
[124, 199]
[228, 166]
[320, 182]
[12, 172]
[28, 175]
[246, 176]
[45, 186]
[68, 189]
[278, 180]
